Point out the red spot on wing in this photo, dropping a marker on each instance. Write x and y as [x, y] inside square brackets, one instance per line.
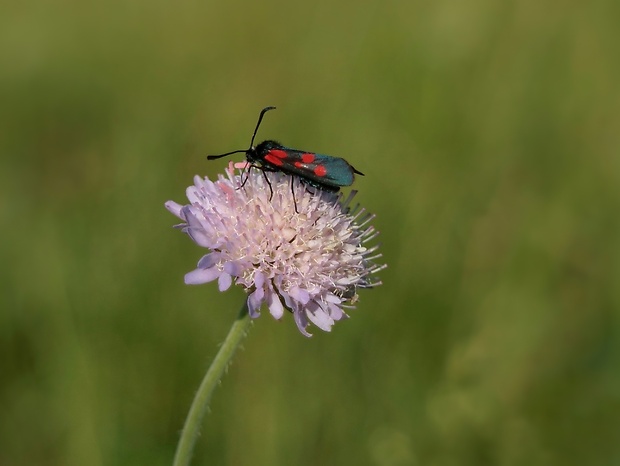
[273, 159]
[307, 157]
[299, 164]
[279, 153]
[320, 170]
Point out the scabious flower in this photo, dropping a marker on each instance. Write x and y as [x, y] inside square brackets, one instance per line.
[288, 245]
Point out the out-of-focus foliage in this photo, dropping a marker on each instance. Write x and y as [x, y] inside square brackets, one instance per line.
[488, 132]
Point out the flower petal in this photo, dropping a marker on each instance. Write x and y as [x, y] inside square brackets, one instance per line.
[196, 230]
[234, 268]
[174, 208]
[254, 302]
[336, 312]
[275, 305]
[299, 295]
[200, 276]
[259, 279]
[332, 298]
[319, 317]
[224, 281]
[302, 322]
[209, 260]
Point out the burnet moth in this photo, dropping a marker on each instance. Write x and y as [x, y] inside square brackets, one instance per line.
[320, 171]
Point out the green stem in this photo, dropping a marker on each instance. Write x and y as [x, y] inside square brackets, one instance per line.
[203, 396]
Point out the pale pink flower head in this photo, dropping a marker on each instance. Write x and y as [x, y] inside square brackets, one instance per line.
[300, 249]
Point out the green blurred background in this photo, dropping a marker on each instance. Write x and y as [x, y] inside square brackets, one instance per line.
[489, 134]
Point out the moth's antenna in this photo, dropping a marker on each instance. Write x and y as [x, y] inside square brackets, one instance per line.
[213, 157]
[260, 118]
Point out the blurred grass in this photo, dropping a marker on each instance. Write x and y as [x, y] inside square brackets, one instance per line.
[489, 135]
